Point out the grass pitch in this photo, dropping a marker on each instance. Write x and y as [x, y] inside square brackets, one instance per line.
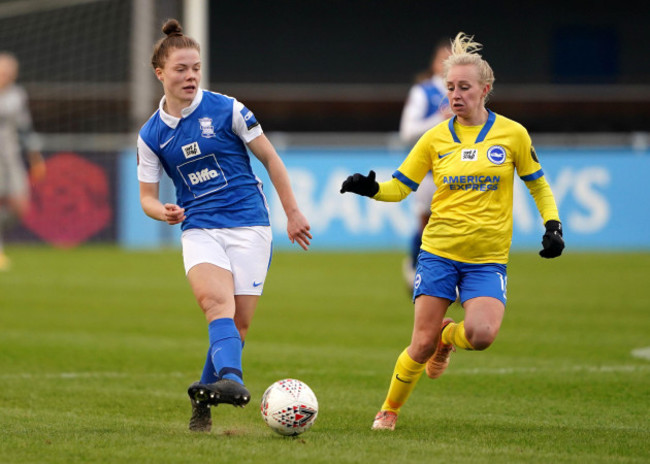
[98, 345]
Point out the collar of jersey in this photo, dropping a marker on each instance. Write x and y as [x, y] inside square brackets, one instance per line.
[172, 121]
[439, 82]
[481, 135]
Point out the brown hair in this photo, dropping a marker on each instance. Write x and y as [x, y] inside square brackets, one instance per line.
[175, 39]
[441, 45]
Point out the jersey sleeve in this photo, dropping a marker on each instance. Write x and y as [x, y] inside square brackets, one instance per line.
[149, 166]
[244, 123]
[29, 139]
[412, 113]
[417, 163]
[528, 167]
[530, 171]
[544, 199]
[414, 121]
[392, 190]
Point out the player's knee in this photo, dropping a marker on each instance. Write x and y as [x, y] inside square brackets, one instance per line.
[212, 304]
[422, 349]
[481, 337]
[242, 327]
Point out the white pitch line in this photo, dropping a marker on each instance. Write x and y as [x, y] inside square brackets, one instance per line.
[88, 375]
[534, 370]
[471, 371]
[643, 353]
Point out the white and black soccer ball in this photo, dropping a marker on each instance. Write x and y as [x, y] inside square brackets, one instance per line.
[289, 407]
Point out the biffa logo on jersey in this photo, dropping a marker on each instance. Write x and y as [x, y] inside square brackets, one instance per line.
[203, 175]
[496, 154]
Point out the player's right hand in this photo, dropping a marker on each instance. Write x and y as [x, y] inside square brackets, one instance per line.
[361, 185]
[173, 214]
[37, 167]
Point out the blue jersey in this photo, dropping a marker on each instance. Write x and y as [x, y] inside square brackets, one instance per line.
[205, 155]
[436, 97]
[426, 106]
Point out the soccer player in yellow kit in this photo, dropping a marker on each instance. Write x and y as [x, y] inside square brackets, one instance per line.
[473, 157]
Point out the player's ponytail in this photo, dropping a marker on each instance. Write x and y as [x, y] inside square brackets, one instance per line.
[465, 44]
[174, 39]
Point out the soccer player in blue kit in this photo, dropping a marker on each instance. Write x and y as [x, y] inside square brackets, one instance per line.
[426, 106]
[466, 243]
[200, 140]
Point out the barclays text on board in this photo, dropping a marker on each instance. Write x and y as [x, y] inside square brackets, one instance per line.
[597, 194]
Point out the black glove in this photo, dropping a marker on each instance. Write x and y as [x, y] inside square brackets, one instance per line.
[361, 185]
[552, 240]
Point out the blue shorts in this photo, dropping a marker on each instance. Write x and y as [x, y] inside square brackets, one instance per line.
[437, 276]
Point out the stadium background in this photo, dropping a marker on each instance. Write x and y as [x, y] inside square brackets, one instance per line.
[328, 80]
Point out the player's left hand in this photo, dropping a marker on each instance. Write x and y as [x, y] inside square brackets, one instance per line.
[552, 240]
[298, 229]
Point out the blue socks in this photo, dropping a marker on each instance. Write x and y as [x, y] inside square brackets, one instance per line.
[209, 375]
[224, 356]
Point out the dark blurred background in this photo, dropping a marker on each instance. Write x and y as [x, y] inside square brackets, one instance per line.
[334, 65]
[559, 66]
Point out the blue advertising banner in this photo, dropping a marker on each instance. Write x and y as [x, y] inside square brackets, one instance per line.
[603, 204]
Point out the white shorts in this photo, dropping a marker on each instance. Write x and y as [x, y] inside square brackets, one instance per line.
[244, 251]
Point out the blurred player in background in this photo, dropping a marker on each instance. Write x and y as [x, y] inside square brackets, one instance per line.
[466, 243]
[200, 139]
[426, 106]
[16, 139]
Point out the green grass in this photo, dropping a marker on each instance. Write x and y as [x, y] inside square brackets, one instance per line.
[97, 347]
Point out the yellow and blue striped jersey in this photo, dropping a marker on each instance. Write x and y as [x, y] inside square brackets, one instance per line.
[473, 168]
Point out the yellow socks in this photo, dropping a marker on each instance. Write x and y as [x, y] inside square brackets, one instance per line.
[406, 374]
[455, 334]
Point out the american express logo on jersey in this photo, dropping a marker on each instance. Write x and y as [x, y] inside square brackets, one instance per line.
[191, 150]
[249, 118]
[480, 183]
[207, 128]
[202, 175]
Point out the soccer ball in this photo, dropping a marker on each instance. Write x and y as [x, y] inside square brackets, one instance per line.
[289, 407]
